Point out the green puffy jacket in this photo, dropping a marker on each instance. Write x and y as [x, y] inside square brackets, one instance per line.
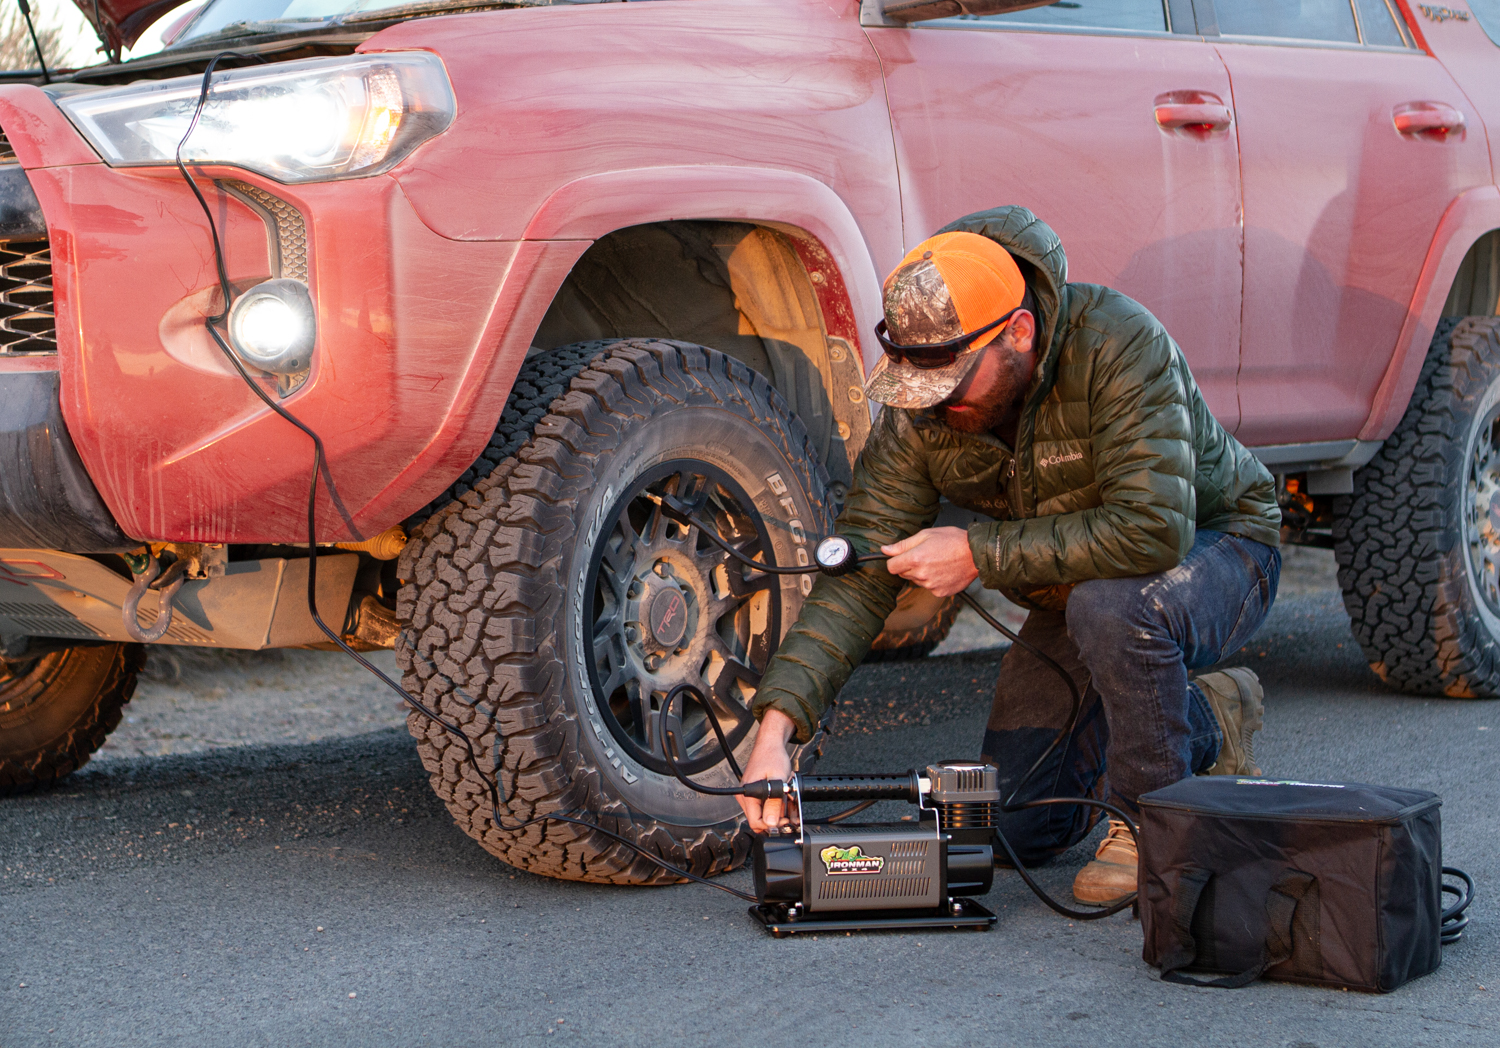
[1118, 460]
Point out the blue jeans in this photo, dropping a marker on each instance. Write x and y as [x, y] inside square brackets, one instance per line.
[1129, 644]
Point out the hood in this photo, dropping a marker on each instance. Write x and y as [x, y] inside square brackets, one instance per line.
[1037, 249]
[121, 22]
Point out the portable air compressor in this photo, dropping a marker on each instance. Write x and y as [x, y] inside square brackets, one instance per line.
[835, 876]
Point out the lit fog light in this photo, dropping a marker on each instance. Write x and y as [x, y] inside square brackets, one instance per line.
[272, 327]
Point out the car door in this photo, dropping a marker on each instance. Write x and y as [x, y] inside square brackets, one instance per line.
[1352, 145]
[1115, 130]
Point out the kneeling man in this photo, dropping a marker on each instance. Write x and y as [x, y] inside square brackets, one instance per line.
[1142, 537]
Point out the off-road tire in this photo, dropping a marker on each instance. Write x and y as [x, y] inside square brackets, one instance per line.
[900, 645]
[1402, 539]
[492, 596]
[56, 710]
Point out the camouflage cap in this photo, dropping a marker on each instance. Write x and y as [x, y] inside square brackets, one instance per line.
[945, 286]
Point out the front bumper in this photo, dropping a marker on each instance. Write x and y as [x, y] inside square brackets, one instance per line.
[408, 375]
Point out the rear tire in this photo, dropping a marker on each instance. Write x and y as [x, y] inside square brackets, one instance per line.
[56, 709]
[548, 610]
[1418, 542]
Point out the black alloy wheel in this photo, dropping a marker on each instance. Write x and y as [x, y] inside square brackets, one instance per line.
[671, 608]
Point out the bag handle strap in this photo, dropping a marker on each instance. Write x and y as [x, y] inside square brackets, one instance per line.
[1292, 906]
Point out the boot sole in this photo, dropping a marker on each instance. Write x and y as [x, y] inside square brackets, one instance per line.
[1099, 897]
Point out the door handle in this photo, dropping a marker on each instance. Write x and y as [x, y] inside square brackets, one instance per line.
[1428, 119]
[1193, 111]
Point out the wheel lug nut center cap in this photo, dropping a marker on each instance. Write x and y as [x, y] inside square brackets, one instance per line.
[666, 615]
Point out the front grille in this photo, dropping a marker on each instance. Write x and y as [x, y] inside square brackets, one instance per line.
[27, 323]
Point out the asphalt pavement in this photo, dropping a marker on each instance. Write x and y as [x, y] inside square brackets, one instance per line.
[318, 894]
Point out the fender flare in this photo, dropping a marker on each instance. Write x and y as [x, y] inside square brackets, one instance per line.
[591, 207]
[576, 215]
[1471, 215]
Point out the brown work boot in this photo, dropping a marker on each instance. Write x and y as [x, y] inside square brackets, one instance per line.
[1112, 874]
[1238, 701]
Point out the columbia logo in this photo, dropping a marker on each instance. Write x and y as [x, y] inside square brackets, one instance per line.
[1058, 460]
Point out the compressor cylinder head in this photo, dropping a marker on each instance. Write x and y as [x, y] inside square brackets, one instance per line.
[967, 797]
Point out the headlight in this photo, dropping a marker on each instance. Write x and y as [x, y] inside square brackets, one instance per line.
[306, 121]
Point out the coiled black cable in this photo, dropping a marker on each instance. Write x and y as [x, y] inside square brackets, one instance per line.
[1456, 917]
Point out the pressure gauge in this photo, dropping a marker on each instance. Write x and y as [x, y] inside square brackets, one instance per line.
[836, 556]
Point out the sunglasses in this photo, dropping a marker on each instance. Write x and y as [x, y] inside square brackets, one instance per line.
[934, 354]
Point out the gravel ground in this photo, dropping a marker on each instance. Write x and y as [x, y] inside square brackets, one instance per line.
[195, 699]
[319, 894]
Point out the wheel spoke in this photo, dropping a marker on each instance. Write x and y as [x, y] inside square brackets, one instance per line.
[643, 720]
[609, 643]
[720, 696]
[739, 585]
[621, 559]
[619, 674]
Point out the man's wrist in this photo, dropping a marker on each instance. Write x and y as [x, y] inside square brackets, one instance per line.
[777, 725]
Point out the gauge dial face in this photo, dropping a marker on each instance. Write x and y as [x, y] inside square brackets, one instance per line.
[833, 551]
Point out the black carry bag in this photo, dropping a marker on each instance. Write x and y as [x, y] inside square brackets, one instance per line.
[1335, 885]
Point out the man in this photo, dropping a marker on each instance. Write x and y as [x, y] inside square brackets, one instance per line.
[1141, 536]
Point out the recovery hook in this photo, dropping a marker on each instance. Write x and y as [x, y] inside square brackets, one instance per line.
[167, 583]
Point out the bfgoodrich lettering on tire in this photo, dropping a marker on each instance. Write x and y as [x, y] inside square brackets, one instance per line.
[1418, 543]
[549, 610]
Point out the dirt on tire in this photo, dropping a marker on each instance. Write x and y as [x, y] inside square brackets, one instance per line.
[1399, 538]
[490, 582]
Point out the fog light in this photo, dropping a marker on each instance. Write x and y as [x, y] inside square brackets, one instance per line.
[273, 326]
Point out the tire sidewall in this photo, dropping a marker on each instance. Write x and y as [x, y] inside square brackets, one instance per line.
[791, 515]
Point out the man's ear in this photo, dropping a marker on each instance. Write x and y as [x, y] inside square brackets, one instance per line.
[1022, 331]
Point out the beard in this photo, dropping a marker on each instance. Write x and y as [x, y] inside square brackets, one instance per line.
[977, 419]
[986, 415]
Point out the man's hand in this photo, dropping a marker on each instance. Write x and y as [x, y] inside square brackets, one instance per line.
[769, 759]
[937, 559]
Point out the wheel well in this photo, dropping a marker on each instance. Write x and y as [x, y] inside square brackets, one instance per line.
[1476, 285]
[740, 288]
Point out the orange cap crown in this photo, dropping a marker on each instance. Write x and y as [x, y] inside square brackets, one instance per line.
[983, 281]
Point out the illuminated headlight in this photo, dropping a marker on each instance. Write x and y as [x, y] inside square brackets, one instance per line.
[272, 327]
[307, 121]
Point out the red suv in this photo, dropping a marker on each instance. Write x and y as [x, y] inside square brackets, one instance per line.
[524, 267]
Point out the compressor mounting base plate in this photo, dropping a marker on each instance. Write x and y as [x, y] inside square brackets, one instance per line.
[778, 919]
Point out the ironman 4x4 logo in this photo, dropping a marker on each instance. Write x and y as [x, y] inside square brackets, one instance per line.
[838, 860]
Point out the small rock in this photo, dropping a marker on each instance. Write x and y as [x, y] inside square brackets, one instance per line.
[352, 996]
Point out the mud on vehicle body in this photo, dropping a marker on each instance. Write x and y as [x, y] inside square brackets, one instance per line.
[518, 302]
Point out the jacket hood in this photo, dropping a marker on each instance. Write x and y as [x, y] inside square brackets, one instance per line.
[1033, 244]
